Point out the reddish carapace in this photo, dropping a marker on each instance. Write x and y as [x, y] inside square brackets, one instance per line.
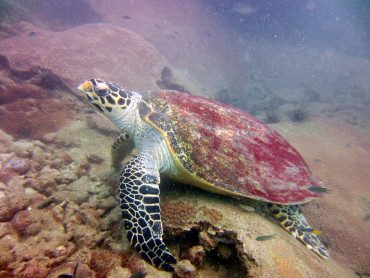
[234, 151]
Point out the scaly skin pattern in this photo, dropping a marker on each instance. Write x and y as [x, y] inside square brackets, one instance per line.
[121, 147]
[292, 220]
[232, 150]
[139, 197]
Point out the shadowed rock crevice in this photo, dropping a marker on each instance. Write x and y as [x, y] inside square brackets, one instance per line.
[46, 81]
[209, 248]
[30, 97]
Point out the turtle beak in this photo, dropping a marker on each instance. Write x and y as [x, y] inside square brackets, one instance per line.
[86, 86]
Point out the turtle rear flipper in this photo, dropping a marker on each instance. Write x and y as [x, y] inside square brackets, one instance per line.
[291, 218]
[139, 198]
[121, 147]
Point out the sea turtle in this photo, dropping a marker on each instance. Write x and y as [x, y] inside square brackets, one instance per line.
[204, 143]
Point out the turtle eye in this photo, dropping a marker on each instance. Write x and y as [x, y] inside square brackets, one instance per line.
[101, 90]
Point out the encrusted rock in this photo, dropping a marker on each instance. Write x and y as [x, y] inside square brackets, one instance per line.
[49, 138]
[77, 196]
[67, 159]
[58, 252]
[5, 228]
[2, 186]
[10, 204]
[83, 255]
[119, 272]
[36, 267]
[6, 256]
[94, 159]
[224, 251]
[177, 213]
[68, 175]
[103, 261]
[83, 271]
[18, 165]
[44, 184]
[86, 184]
[134, 263]
[60, 161]
[206, 241]
[6, 175]
[83, 169]
[26, 223]
[65, 269]
[184, 269]
[27, 125]
[61, 61]
[51, 174]
[214, 215]
[195, 255]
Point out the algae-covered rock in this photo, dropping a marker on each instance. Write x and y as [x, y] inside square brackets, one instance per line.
[219, 225]
[43, 75]
[184, 269]
[99, 50]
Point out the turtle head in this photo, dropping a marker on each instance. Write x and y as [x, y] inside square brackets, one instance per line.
[108, 98]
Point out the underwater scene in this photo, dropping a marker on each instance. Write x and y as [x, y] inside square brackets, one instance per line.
[197, 138]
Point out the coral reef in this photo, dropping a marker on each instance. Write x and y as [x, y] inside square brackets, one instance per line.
[215, 216]
[38, 90]
[229, 243]
[77, 220]
[184, 269]
[178, 213]
[48, 50]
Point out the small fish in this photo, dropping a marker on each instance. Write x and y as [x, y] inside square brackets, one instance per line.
[247, 208]
[311, 231]
[320, 190]
[266, 237]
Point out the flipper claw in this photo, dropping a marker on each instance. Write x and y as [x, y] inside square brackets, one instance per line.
[292, 219]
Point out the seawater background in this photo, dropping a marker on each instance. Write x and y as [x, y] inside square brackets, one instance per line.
[271, 59]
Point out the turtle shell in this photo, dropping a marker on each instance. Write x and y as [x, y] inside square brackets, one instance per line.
[222, 149]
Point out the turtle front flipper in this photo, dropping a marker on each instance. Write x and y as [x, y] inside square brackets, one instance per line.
[121, 147]
[139, 198]
[291, 218]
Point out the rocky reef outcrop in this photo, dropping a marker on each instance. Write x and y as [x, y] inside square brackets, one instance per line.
[37, 82]
[96, 50]
[59, 215]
